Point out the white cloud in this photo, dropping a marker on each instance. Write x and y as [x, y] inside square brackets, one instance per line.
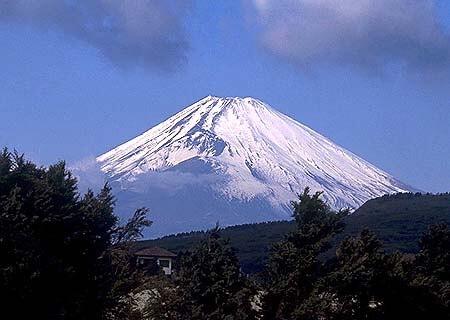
[90, 176]
[366, 34]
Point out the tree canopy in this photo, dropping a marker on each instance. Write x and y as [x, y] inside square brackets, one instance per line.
[211, 283]
[58, 248]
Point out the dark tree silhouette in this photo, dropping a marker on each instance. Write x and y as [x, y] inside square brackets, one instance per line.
[294, 266]
[59, 250]
[211, 283]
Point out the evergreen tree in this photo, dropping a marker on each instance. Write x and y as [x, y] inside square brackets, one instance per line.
[355, 288]
[434, 256]
[56, 248]
[162, 298]
[360, 269]
[211, 284]
[432, 268]
[294, 266]
[127, 278]
[367, 283]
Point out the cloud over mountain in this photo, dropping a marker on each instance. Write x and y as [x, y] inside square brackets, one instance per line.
[129, 33]
[365, 34]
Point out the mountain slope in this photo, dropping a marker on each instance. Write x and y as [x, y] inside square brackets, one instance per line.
[398, 220]
[235, 160]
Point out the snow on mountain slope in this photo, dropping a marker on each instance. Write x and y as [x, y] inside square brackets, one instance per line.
[238, 152]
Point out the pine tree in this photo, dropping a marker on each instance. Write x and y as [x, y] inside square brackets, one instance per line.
[432, 268]
[354, 288]
[162, 299]
[56, 247]
[367, 283]
[211, 283]
[434, 256]
[294, 266]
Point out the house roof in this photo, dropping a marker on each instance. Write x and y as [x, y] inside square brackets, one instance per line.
[155, 252]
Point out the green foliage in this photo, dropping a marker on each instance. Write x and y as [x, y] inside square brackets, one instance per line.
[211, 283]
[434, 256]
[161, 299]
[397, 220]
[432, 265]
[362, 282]
[59, 251]
[365, 282]
[294, 266]
[252, 242]
[132, 230]
[125, 276]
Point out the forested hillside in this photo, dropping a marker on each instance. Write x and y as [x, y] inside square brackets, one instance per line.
[399, 221]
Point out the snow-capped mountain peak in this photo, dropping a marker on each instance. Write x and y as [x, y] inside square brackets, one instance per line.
[243, 150]
[196, 124]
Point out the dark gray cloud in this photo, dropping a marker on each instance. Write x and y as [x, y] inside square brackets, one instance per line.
[366, 34]
[144, 33]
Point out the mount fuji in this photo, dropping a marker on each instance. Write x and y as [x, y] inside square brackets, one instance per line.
[233, 161]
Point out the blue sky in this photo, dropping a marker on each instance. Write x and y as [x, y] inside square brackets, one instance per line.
[376, 83]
